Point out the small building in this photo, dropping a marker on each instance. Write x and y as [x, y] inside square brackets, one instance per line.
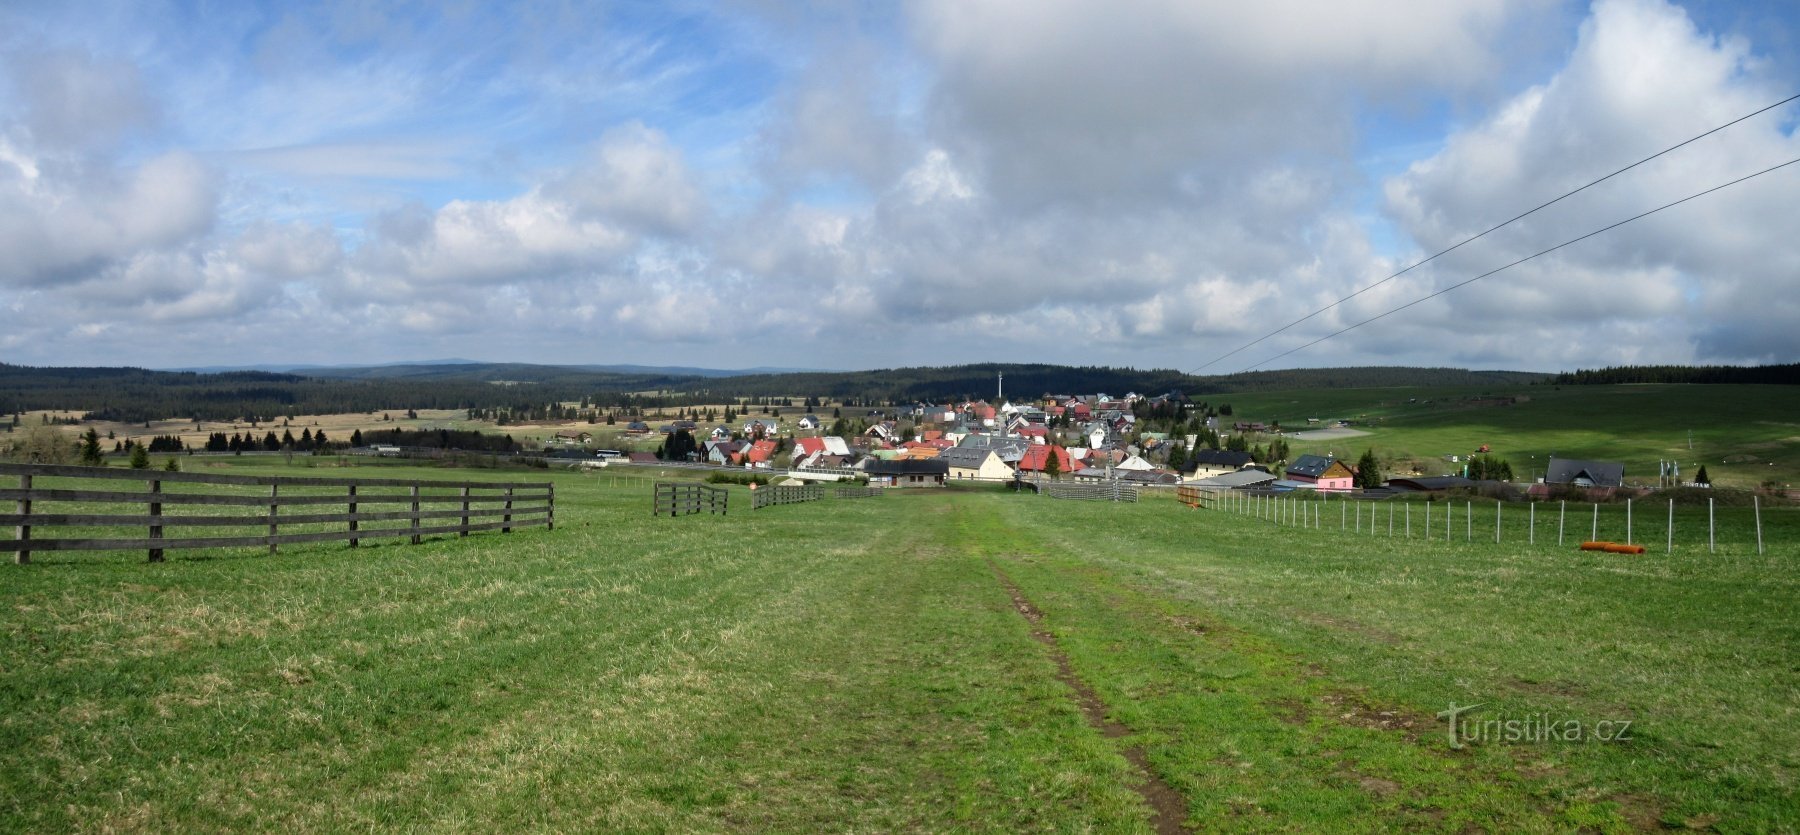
[1237, 480]
[906, 473]
[1322, 474]
[1585, 473]
[570, 437]
[809, 422]
[969, 463]
[1205, 463]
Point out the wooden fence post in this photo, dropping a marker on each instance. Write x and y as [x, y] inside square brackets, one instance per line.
[1594, 535]
[23, 531]
[156, 528]
[550, 519]
[1496, 521]
[1711, 537]
[1670, 546]
[274, 511]
[506, 520]
[353, 523]
[465, 512]
[416, 539]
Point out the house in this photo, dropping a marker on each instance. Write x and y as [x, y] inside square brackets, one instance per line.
[974, 463]
[1322, 474]
[809, 422]
[1585, 473]
[1133, 462]
[758, 428]
[1037, 456]
[571, 437]
[1037, 433]
[637, 427]
[725, 453]
[804, 447]
[1010, 450]
[913, 451]
[760, 453]
[904, 473]
[721, 433]
[1205, 463]
[885, 430]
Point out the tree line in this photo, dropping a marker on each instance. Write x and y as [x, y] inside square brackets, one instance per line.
[1768, 375]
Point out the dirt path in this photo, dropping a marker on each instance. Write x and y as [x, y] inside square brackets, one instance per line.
[1168, 808]
[1328, 434]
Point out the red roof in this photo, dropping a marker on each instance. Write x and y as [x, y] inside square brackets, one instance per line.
[809, 446]
[1037, 454]
[761, 451]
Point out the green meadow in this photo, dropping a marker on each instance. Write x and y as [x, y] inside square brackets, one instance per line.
[933, 660]
[1745, 435]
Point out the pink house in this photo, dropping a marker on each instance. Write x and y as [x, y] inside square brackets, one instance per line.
[1327, 474]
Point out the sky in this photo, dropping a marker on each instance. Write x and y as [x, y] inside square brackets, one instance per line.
[843, 185]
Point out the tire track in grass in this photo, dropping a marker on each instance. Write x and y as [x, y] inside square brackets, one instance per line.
[1168, 808]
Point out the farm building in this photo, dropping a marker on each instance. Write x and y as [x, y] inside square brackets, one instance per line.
[1204, 463]
[1321, 473]
[1585, 473]
[974, 463]
[1236, 480]
[906, 473]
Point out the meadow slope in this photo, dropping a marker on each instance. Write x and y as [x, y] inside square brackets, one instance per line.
[912, 662]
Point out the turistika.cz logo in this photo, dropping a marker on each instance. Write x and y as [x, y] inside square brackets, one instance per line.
[1528, 728]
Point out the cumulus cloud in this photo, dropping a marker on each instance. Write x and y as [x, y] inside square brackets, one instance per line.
[1642, 77]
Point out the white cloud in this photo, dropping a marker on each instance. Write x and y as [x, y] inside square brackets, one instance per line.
[1641, 78]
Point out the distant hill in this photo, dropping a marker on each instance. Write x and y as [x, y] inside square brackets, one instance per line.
[134, 394]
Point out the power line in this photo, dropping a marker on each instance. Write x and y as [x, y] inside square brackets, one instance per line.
[1483, 234]
[1523, 260]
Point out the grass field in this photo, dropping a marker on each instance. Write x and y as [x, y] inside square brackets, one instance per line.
[926, 661]
[1745, 435]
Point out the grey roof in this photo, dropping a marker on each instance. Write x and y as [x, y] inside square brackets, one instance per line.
[1442, 482]
[1311, 466]
[1241, 478]
[928, 466]
[1216, 458]
[966, 457]
[1573, 471]
[1010, 449]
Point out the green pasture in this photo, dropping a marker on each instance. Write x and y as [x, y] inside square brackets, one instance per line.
[861, 665]
[1745, 435]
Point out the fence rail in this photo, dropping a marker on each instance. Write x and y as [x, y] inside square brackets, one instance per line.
[785, 495]
[858, 492]
[474, 505]
[1106, 491]
[1658, 523]
[671, 499]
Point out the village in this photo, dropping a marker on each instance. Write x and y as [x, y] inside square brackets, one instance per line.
[1142, 440]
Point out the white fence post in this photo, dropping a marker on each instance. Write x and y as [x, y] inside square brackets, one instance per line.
[1756, 504]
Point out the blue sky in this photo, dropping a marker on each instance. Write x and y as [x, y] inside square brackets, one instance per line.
[845, 185]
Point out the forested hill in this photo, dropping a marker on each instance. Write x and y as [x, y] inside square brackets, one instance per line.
[1775, 375]
[135, 394]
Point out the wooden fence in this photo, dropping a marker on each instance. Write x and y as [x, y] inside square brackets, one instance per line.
[858, 492]
[672, 499]
[766, 496]
[1105, 491]
[429, 508]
